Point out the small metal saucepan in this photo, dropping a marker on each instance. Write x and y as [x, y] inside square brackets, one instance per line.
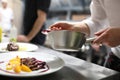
[65, 40]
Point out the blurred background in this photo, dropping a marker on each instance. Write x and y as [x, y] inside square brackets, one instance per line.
[65, 10]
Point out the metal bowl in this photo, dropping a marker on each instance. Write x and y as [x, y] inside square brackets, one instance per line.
[65, 40]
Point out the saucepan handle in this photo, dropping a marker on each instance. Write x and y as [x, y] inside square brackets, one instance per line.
[46, 31]
[89, 40]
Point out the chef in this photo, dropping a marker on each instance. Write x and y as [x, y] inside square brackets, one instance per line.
[6, 16]
[104, 23]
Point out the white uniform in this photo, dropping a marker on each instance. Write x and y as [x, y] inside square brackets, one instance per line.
[104, 13]
[6, 15]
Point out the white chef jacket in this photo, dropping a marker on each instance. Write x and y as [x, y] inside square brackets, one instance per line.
[104, 13]
[6, 15]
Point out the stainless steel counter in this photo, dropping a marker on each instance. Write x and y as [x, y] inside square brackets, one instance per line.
[74, 69]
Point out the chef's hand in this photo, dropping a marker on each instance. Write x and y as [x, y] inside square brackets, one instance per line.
[109, 37]
[22, 38]
[62, 25]
[72, 26]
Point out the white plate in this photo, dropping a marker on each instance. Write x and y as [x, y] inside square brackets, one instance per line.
[54, 63]
[27, 46]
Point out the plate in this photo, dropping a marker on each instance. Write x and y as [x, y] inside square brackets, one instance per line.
[23, 46]
[54, 63]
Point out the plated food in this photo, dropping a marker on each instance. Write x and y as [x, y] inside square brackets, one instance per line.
[18, 46]
[12, 46]
[28, 64]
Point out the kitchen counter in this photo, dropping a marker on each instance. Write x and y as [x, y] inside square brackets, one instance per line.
[74, 69]
[113, 77]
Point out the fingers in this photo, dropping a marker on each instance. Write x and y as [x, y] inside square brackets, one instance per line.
[100, 32]
[56, 28]
[101, 38]
[53, 26]
[61, 26]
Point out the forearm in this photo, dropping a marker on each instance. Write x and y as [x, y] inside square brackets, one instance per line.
[82, 27]
[36, 27]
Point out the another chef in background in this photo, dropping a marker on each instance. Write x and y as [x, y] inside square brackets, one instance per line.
[35, 14]
[6, 16]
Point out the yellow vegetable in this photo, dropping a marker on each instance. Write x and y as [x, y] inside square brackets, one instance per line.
[0, 34]
[22, 48]
[15, 59]
[17, 69]
[9, 67]
[15, 65]
[25, 68]
[12, 63]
